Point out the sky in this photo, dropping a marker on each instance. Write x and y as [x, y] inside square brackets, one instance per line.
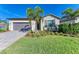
[19, 10]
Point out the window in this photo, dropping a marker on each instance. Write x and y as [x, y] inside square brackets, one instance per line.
[51, 23]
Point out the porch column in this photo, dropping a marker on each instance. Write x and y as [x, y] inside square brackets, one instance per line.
[10, 25]
[33, 24]
[41, 25]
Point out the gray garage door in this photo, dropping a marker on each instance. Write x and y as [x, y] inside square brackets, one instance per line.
[19, 25]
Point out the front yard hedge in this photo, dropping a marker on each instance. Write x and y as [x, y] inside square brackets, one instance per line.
[69, 28]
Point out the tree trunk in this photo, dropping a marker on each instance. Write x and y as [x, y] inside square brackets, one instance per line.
[38, 26]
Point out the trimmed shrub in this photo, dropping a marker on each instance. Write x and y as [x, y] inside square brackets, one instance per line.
[39, 33]
[60, 33]
[64, 28]
[66, 35]
[69, 28]
[56, 33]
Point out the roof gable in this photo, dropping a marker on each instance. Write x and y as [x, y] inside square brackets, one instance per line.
[52, 16]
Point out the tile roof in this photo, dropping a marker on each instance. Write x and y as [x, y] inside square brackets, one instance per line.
[17, 18]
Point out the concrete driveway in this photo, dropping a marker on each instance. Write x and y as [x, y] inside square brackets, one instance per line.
[8, 38]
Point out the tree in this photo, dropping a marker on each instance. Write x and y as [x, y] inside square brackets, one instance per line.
[76, 13]
[37, 15]
[30, 14]
[68, 13]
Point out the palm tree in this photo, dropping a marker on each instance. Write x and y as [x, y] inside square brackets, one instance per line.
[68, 13]
[76, 13]
[30, 14]
[37, 15]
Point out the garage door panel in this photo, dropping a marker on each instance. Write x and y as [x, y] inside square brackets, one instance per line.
[19, 25]
[21, 22]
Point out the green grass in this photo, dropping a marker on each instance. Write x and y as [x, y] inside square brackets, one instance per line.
[2, 30]
[50, 44]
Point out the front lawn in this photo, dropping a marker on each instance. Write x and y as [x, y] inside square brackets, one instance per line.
[3, 30]
[45, 44]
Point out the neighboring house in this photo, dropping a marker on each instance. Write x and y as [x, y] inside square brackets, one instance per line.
[3, 26]
[70, 21]
[47, 22]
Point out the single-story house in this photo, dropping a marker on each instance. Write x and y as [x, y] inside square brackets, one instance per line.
[47, 22]
[70, 21]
